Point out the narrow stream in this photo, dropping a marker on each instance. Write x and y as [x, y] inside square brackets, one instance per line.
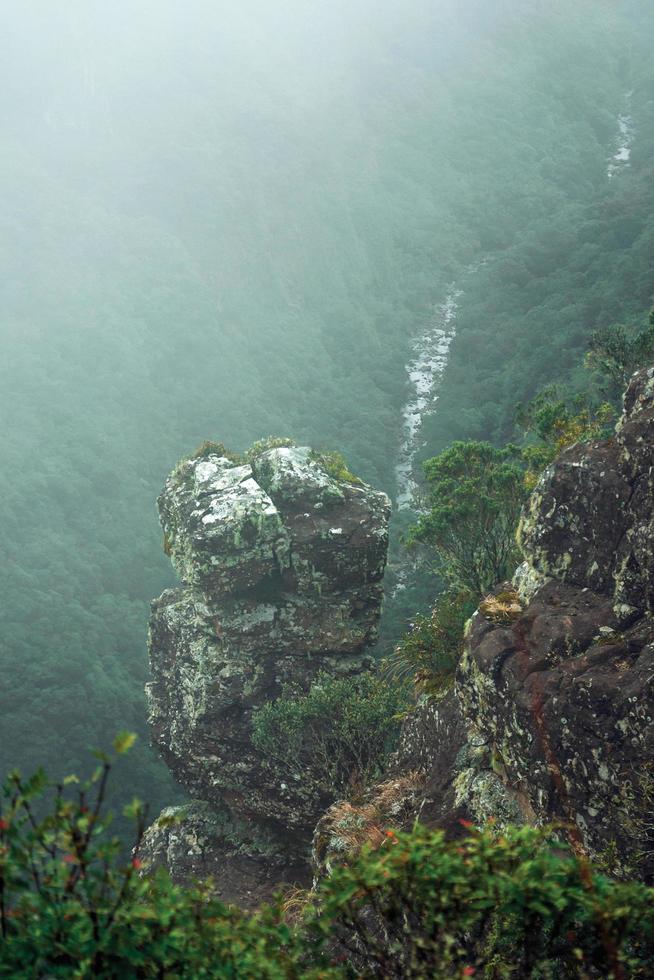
[425, 371]
[624, 142]
[430, 351]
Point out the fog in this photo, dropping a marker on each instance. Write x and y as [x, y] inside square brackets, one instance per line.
[229, 220]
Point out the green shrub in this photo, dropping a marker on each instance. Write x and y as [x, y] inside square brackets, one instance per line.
[69, 908]
[519, 905]
[511, 906]
[617, 351]
[210, 448]
[430, 651]
[263, 445]
[557, 419]
[473, 500]
[341, 732]
[334, 465]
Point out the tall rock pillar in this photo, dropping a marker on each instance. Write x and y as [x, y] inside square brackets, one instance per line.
[281, 558]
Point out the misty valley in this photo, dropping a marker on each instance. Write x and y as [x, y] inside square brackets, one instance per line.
[327, 383]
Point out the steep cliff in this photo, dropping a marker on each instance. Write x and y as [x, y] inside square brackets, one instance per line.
[551, 714]
[564, 692]
[281, 556]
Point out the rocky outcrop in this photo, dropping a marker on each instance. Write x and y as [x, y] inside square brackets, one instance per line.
[551, 715]
[563, 692]
[282, 563]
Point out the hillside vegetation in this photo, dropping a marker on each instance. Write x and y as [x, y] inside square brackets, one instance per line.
[202, 243]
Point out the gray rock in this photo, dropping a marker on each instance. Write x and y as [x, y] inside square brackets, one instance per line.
[199, 842]
[282, 566]
[564, 693]
[222, 530]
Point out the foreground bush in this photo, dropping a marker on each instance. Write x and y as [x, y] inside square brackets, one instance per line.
[70, 908]
[495, 907]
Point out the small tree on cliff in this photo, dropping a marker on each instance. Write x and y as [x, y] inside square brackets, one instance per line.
[617, 351]
[555, 418]
[475, 493]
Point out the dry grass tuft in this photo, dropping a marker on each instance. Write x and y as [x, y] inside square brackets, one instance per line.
[503, 608]
[347, 826]
[296, 902]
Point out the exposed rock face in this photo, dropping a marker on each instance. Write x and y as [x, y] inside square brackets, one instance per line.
[282, 566]
[442, 775]
[551, 715]
[564, 693]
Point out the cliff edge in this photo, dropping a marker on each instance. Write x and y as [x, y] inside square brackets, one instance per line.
[550, 718]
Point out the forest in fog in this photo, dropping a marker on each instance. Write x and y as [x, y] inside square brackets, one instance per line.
[225, 221]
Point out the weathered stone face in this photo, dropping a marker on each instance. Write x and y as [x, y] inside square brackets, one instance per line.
[214, 667]
[199, 841]
[222, 529]
[282, 521]
[590, 519]
[575, 517]
[552, 713]
[564, 693]
[282, 565]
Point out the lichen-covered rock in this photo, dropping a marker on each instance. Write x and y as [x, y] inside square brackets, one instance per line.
[441, 774]
[212, 667]
[199, 841]
[222, 530]
[590, 519]
[279, 520]
[282, 565]
[563, 694]
[575, 516]
[634, 559]
[460, 783]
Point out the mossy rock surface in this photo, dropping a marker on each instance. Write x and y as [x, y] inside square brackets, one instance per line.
[281, 561]
[558, 678]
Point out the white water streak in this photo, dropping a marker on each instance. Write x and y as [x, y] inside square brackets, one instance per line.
[624, 142]
[425, 371]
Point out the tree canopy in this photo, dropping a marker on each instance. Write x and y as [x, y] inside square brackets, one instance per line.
[475, 494]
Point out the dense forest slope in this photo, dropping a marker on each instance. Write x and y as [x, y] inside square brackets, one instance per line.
[201, 242]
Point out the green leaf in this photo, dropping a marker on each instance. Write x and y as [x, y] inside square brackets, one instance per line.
[124, 741]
